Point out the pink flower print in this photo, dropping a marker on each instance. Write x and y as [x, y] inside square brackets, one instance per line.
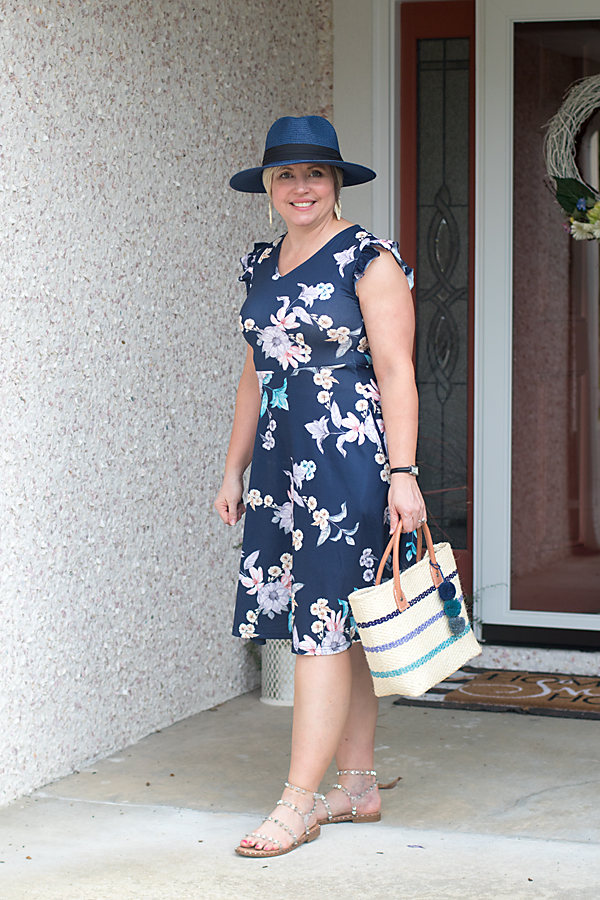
[357, 429]
[254, 582]
[308, 646]
[292, 356]
[281, 320]
[335, 621]
[372, 391]
[286, 580]
[335, 640]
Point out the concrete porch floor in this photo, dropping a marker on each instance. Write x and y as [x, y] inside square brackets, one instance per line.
[491, 805]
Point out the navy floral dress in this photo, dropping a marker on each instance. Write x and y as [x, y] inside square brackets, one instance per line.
[316, 514]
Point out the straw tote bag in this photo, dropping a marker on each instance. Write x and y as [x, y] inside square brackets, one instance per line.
[416, 632]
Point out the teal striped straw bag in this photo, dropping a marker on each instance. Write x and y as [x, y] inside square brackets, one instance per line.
[414, 628]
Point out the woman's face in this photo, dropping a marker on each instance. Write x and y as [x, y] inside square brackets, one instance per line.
[304, 194]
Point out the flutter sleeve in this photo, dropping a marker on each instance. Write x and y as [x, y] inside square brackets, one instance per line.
[369, 250]
[248, 262]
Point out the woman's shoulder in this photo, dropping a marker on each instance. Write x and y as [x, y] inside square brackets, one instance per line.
[369, 248]
[261, 251]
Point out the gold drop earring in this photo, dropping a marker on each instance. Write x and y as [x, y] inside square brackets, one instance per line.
[270, 212]
[337, 209]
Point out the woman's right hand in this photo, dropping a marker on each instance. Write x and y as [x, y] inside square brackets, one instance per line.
[228, 501]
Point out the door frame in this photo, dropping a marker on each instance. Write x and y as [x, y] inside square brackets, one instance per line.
[418, 21]
[384, 123]
[493, 275]
[493, 309]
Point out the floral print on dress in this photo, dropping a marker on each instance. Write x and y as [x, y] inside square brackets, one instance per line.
[316, 512]
[332, 631]
[344, 259]
[368, 561]
[274, 594]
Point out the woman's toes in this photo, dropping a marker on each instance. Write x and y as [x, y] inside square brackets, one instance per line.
[251, 843]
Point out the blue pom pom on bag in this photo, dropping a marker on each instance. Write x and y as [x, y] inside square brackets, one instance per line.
[414, 632]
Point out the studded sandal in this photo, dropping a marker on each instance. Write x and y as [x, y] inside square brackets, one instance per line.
[353, 816]
[310, 834]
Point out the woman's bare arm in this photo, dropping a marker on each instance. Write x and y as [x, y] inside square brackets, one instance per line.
[388, 313]
[228, 502]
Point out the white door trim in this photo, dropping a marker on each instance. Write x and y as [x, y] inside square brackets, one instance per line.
[384, 153]
[493, 307]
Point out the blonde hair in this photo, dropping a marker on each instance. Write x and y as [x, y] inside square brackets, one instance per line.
[338, 180]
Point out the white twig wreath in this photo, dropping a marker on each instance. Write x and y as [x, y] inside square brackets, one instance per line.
[578, 199]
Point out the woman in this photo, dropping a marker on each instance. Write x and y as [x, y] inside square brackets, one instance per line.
[329, 323]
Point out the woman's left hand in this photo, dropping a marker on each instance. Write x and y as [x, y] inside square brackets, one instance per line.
[406, 503]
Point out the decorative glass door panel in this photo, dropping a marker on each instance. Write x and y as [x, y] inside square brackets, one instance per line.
[437, 195]
[442, 295]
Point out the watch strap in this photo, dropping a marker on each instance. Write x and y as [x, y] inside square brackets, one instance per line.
[409, 470]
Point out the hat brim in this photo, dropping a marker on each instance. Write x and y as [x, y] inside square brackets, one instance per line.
[250, 180]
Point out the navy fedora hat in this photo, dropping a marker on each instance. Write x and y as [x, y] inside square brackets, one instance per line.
[306, 139]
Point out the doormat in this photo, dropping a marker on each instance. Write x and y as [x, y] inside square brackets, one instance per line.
[496, 690]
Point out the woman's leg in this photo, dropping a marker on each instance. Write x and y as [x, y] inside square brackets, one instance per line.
[357, 743]
[322, 690]
[356, 747]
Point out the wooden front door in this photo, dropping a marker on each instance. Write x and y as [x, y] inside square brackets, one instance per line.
[437, 171]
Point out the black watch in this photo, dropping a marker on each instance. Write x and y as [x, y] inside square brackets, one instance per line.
[410, 470]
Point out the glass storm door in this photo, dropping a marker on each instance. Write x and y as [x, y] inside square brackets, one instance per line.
[555, 550]
[538, 505]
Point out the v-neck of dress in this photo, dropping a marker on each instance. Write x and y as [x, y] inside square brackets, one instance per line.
[310, 258]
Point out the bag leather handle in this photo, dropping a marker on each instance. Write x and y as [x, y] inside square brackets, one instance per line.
[393, 547]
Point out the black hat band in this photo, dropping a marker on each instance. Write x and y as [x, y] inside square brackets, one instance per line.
[285, 152]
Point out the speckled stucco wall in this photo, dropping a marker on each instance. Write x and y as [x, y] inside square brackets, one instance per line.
[119, 244]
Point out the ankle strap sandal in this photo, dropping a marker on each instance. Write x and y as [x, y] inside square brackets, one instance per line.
[353, 816]
[310, 833]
